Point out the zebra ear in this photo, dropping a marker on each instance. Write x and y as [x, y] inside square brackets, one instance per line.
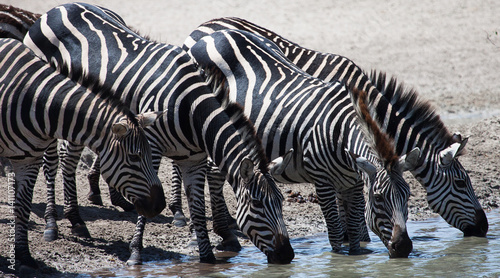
[120, 128]
[246, 169]
[363, 164]
[148, 118]
[447, 155]
[410, 160]
[278, 165]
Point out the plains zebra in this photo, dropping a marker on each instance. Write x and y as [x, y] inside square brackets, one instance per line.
[86, 42]
[39, 105]
[407, 119]
[292, 110]
[14, 23]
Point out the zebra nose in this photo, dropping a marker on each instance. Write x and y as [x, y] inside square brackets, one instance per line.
[153, 204]
[480, 227]
[283, 252]
[400, 244]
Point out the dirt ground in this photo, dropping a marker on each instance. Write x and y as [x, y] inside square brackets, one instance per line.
[448, 50]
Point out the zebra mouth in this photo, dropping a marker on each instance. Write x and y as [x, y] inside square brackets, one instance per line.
[400, 245]
[153, 204]
[480, 227]
[283, 254]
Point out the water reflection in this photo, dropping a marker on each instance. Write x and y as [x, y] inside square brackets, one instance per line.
[439, 251]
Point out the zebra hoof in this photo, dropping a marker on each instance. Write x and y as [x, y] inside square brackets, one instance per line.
[209, 259]
[135, 259]
[179, 220]
[50, 234]
[80, 230]
[94, 199]
[232, 245]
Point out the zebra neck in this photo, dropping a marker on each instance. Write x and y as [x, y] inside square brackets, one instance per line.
[86, 120]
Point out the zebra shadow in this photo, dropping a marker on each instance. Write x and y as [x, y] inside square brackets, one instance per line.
[91, 213]
[8, 270]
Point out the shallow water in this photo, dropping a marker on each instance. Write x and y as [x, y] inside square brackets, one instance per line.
[438, 251]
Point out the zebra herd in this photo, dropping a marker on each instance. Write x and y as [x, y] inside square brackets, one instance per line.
[237, 102]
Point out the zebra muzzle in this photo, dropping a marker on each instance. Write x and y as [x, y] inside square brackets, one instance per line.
[480, 227]
[283, 252]
[153, 204]
[400, 245]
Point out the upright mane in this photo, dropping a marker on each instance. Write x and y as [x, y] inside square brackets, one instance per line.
[15, 22]
[379, 140]
[415, 111]
[217, 83]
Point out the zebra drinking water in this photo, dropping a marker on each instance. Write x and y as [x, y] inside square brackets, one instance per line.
[292, 110]
[410, 121]
[86, 42]
[39, 105]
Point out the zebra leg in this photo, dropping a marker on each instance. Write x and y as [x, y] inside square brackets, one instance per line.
[50, 163]
[194, 183]
[136, 246]
[328, 203]
[354, 204]
[175, 204]
[220, 213]
[25, 178]
[94, 195]
[70, 156]
[363, 229]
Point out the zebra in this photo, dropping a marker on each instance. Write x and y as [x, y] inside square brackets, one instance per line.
[14, 23]
[146, 74]
[401, 113]
[292, 110]
[38, 105]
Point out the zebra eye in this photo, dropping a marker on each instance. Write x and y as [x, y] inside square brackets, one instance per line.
[256, 202]
[461, 183]
[135, 157]
[379, 198]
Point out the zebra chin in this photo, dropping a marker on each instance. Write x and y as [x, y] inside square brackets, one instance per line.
[480, 227]
[283, 254]
[400, 245]
[153, 204]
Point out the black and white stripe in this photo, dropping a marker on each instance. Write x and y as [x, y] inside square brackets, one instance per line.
[292, 110]
[149, 75]
[38, 105]
[397, 109]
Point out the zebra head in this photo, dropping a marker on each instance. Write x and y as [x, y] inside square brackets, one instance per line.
[387, 205]
[449, 189]
[388, 193]
[127, 165]
[259, 214]
[449, 178]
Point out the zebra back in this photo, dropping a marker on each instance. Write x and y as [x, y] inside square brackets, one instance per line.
[38, 105]
[449, 189]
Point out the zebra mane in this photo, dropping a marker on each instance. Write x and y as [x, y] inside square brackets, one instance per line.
[15, 22]
[379, 140]
[414, 110]
[217, 82]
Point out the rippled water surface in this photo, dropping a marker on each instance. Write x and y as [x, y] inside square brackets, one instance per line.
[439, 251]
